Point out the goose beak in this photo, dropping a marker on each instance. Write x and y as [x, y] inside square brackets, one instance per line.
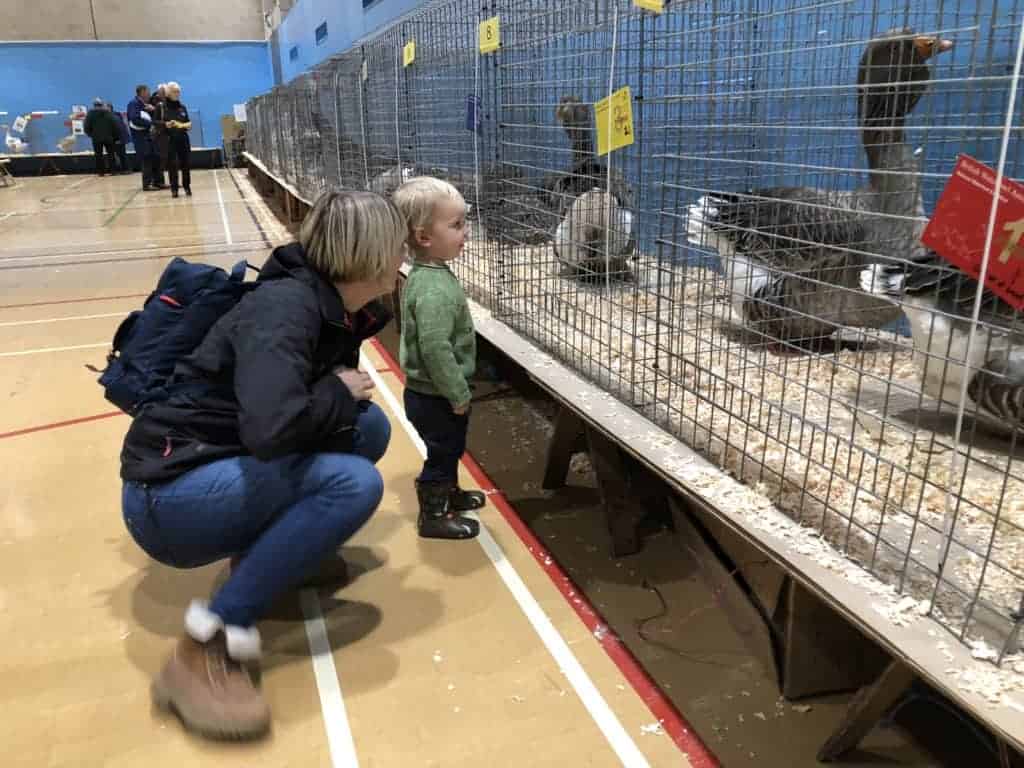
[930, 46]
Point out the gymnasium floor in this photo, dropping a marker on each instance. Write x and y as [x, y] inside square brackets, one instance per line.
[440, 653]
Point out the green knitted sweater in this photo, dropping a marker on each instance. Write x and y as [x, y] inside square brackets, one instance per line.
[438, 345]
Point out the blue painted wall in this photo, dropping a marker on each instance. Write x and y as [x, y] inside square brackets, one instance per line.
[47, 76]
[347, 22]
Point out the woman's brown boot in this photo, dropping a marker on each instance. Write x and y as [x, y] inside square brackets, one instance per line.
[207, 687]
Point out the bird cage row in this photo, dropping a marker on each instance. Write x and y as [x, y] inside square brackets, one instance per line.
[778, 260]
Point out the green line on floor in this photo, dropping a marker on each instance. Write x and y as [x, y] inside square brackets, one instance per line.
[124, 205]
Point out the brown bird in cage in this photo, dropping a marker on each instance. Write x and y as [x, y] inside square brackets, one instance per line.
[792, 256]
[595, 237]
[586, 172]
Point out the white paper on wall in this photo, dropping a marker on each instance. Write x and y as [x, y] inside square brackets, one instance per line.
[78, 127]
[19, 124]
[240, 112]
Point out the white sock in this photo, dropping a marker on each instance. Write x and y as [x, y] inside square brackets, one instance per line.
[202, 624]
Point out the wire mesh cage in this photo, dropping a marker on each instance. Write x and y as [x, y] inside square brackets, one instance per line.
[810, 143]
[749, 271]
[388, 131]
[450, 126]
[350, 117]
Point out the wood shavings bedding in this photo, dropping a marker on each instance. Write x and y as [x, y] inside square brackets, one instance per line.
[845, 443]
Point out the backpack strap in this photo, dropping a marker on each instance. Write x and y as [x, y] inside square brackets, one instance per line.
[238, 271]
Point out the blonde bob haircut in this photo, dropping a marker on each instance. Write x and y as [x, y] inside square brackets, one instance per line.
[352, 236]
[417, 198]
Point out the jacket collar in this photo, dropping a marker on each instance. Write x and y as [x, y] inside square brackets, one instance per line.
[290, 259]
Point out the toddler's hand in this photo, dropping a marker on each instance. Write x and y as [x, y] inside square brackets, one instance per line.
[359, 383]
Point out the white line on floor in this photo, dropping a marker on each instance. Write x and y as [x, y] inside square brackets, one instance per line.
[223, 212]
[14, 323]
[620, 740]
[42, 350]
[339, 734]
[206, 248]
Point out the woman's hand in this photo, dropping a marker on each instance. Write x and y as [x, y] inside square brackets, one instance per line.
[359, 383]
[460, 410]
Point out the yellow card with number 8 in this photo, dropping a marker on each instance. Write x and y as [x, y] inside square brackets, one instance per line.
[490, 35]
[409, 53]
[614, 118]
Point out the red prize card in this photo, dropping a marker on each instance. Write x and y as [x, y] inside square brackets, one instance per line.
[957, 228]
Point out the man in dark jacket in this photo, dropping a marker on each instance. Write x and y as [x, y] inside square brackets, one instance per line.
[159, 132]
[140, 123]
[101, 127]
[121, 142]
[265, 450]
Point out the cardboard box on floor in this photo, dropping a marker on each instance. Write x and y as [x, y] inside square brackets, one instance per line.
[229, 127]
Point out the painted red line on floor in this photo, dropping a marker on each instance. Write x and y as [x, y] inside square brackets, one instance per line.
[671, 719]
[59, 424]
[73, 301]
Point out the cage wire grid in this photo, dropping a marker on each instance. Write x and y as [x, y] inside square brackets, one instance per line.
[759, 194]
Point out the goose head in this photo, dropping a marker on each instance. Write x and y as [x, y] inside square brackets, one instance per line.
[574, 116]
[893, 75]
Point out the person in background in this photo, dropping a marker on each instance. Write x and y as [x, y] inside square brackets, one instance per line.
[179, 148]
[122, 140]
[101, 127]
[159, 133]
[140, 123]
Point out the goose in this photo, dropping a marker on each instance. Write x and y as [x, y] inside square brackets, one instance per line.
[585, 172]
[597, 217]
[594, 222]
[938, 299]
[386, 182]
[793, 255]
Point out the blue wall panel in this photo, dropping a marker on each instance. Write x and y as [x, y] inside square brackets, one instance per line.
[347, 21]
[54, 76]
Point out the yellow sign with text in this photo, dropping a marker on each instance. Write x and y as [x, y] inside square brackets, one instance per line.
[614, 118]
[655, 6]
[409, 53]
[490, 35]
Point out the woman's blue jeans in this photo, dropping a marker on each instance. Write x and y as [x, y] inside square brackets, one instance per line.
[285, 516]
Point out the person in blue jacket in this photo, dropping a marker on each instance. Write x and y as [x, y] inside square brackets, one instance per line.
[140, 123]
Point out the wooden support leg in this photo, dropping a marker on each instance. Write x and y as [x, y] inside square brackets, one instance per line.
[870, 703]
[568, 435]
[623, 503]
[821, 651]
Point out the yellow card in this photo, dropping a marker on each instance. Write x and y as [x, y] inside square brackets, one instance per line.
[409, 53]
[617, 110]
[656, 6]
[490, 35]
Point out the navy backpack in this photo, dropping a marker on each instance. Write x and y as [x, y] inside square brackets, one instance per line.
[188, 300]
